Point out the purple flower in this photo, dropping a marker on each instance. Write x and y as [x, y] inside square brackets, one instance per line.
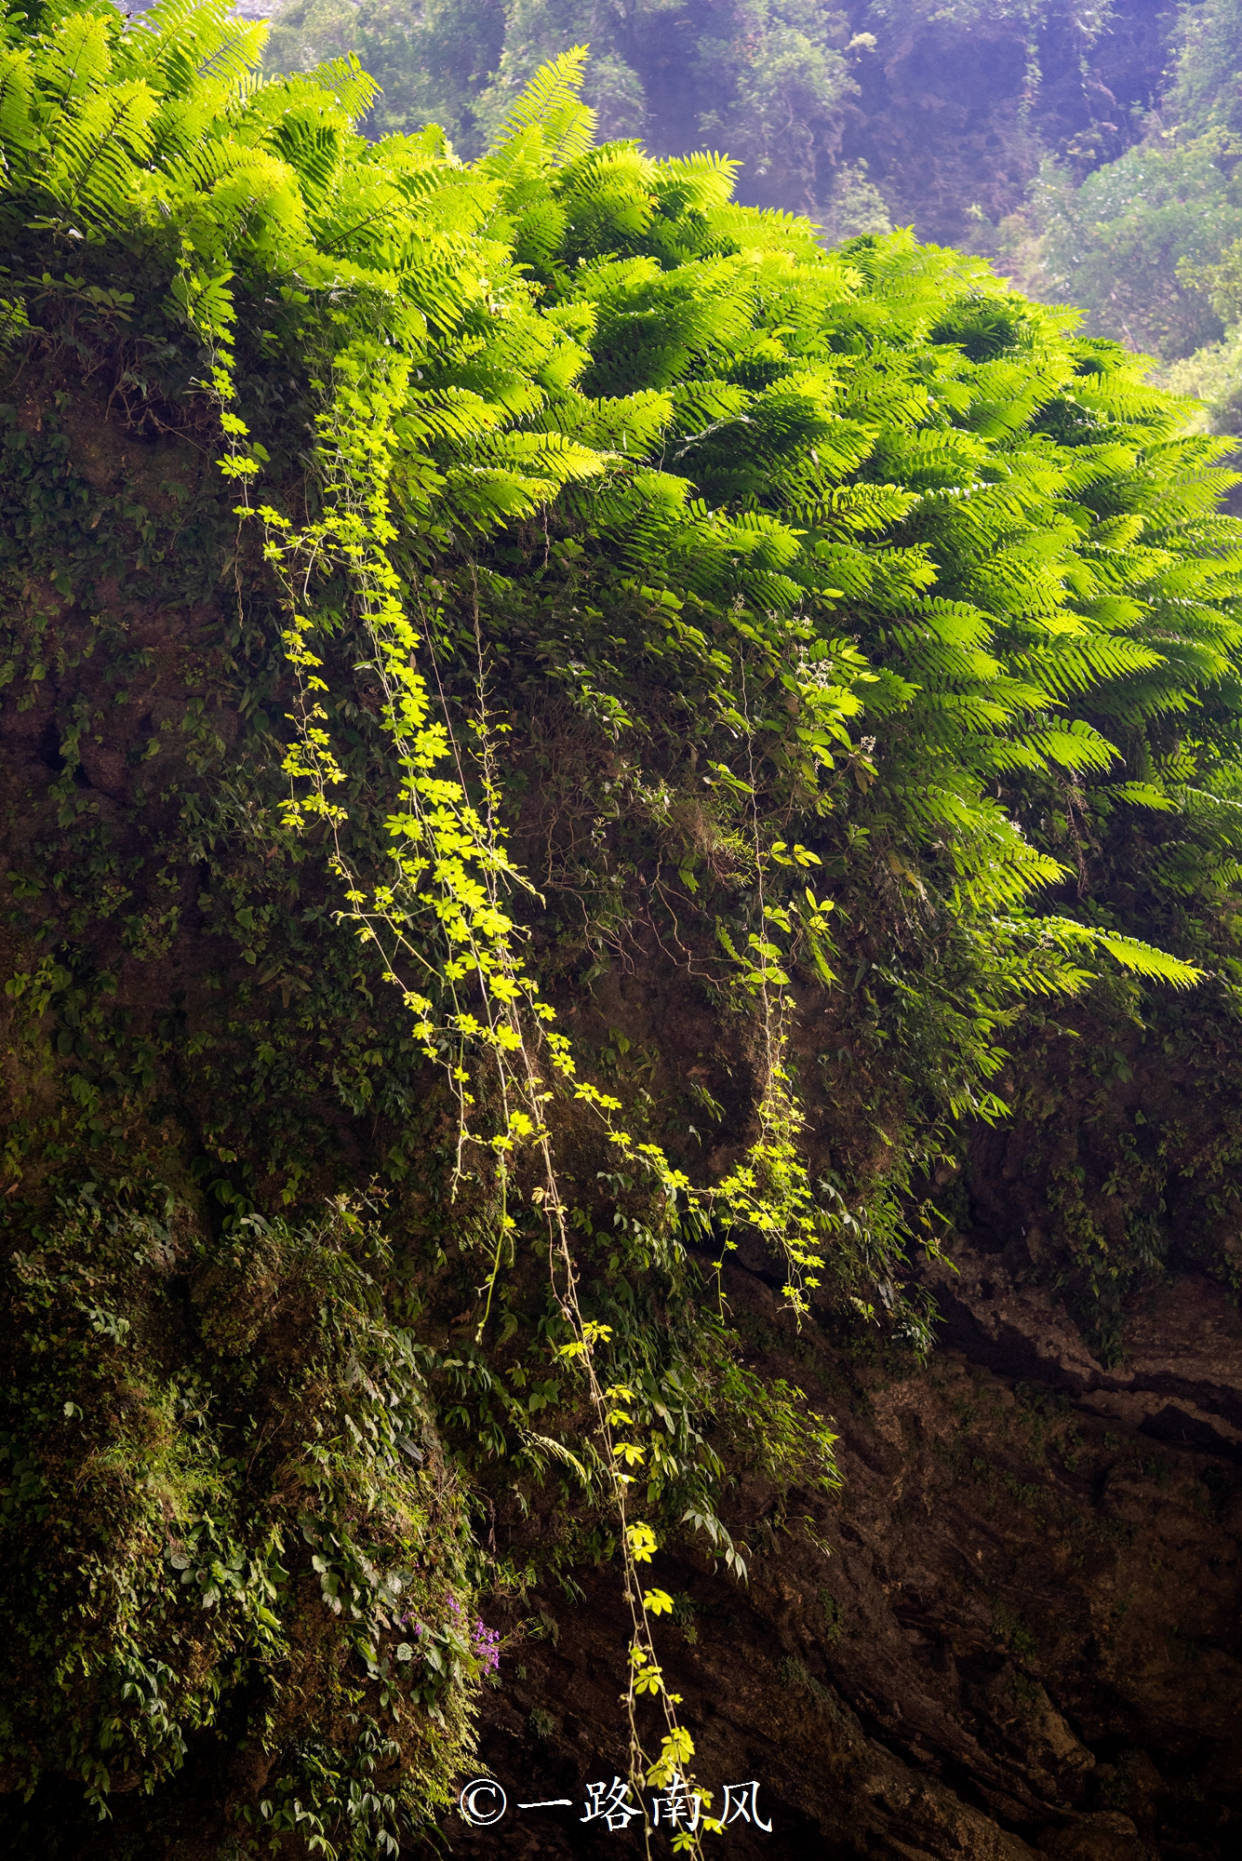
[486, 1646]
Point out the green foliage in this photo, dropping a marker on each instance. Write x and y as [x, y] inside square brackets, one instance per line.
[860, 113]
[611, 576]
[1132, 240]
[174, 1482]
[1203, 94]
[1149, 242]
[1212, 375]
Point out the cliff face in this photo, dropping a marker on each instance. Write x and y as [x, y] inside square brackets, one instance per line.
[1015, 1633]
[953, 116]
[292, 1418]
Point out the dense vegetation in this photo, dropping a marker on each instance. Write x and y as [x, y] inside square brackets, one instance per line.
[1093, 150]
[854, 113]
[559, 729]
[1149, 241]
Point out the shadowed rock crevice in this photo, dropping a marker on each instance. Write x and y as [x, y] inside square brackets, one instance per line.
[1015, 1633]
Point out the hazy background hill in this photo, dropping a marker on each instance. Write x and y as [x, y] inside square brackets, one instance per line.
[1092, 150]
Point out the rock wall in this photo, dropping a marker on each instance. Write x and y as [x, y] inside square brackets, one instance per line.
[1014, 1633]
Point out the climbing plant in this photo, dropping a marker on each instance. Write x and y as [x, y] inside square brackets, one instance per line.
[613, 578]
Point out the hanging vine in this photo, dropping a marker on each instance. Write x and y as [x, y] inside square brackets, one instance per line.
[874, 561]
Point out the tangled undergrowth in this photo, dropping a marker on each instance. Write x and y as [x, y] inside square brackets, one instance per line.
[556, 708]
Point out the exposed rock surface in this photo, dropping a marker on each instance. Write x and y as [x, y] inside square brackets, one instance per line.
[1014, 1632]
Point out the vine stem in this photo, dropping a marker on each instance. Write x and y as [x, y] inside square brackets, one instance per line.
[353, 534]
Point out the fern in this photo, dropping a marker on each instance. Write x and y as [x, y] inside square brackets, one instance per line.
[75, 59]
[16, 92]
[99, 145]
[549, 115]
[864, 593]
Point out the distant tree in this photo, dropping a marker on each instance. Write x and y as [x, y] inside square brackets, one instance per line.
[1130, 243]
[432, 59]
[1206, 92]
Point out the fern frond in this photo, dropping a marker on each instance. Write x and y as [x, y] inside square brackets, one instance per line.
[17, 130]
[1079, 664]
[75, 59]
[1140, 795]
[96, 148]
[354, 89]
[545, 1447]
[1144, 959]
[551, 110]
